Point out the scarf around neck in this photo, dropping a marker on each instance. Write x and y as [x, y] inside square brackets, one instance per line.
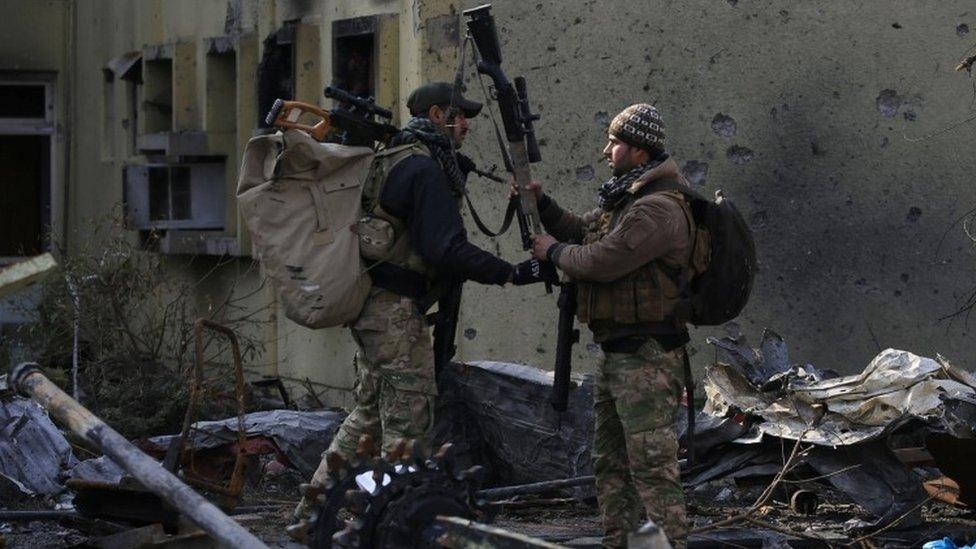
[426, 132]
[612, 193]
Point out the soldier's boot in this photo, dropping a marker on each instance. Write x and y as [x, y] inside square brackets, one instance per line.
[301, 518]
[333, 460]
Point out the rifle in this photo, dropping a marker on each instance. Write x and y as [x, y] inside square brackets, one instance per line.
[566, 337]
[445, 327]
[353, 125]
[522, 150]
[517, 118]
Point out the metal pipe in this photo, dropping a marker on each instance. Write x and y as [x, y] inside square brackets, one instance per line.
[494, 494]
[27, 379]
[29, 516]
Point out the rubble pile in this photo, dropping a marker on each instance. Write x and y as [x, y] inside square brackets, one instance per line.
[831, 457]
[889, 439]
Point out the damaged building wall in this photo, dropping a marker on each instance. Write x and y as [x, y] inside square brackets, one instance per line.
[799, 111]
[166, 84]
[810, 115]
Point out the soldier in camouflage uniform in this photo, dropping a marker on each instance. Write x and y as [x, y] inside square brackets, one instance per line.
[418, 200]
[630, 258]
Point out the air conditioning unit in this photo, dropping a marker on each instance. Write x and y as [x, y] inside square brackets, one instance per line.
[175, 196]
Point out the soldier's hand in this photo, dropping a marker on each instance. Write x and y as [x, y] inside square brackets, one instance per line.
[533, 186]
[531, 271]
[540, 246]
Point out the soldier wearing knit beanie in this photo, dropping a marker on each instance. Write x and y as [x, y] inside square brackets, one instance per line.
[640, 125]
[619, 256]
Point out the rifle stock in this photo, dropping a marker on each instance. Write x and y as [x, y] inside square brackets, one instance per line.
[355, 125]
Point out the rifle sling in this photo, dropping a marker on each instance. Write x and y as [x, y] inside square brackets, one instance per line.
[506, 223]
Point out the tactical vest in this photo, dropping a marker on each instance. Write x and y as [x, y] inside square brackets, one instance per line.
[646, 298]
[383, 237]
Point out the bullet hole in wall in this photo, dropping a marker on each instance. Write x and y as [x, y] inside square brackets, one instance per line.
[739, 155]
[888, 103]
[602, 118]
[585, 173]
[759, 219]
[962, 30]
[913, 214]
[470, 333]
[724, 125]
[696, 172]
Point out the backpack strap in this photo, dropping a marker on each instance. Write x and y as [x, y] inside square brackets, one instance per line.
[679, 275]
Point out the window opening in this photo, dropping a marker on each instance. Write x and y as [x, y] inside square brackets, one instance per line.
[23, 100]
[354, 56]
[108, 114]
[276, 72]
[25, 181]
[27, 137]
[158, 96]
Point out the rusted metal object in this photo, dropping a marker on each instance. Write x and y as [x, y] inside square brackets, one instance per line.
[28, 379]
[174, 455]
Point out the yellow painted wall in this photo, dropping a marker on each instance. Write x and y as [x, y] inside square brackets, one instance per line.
[76, 40]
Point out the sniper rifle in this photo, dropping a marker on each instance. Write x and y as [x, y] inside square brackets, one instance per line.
[521, 150]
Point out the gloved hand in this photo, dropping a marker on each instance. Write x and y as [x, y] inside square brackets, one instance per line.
[531, 271]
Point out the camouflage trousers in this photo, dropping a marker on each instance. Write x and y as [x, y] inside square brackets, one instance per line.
[635, 447]
[395, 385]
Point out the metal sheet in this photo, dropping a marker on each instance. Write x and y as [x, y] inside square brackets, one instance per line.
[32, 449]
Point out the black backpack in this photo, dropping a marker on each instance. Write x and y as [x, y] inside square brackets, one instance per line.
[718, 294]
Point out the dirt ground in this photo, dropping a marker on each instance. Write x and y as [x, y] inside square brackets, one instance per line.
[266, 510]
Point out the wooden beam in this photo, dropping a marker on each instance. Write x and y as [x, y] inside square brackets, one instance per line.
[20, 275]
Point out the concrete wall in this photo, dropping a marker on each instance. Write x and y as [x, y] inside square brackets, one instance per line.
[811, 115]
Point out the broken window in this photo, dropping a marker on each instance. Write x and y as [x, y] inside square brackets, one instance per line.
[26, 130]
[108, 114]
[157, 105]
[354, 54]
[175, 196]
[276, 72]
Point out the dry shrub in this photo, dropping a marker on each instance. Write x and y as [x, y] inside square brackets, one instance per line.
[135, 348]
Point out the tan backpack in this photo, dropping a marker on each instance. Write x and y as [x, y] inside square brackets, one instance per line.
[301, 200]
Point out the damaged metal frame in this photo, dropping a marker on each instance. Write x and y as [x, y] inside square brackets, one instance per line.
[174, 454]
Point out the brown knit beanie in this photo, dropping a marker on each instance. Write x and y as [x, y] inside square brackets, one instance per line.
[639, 125]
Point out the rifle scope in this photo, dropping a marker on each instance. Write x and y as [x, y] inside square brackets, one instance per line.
[367, 105]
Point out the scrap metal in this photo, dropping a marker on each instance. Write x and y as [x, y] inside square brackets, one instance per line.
[28, 380]
[232, 490]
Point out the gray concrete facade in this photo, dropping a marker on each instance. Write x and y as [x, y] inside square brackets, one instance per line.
[824, 121]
